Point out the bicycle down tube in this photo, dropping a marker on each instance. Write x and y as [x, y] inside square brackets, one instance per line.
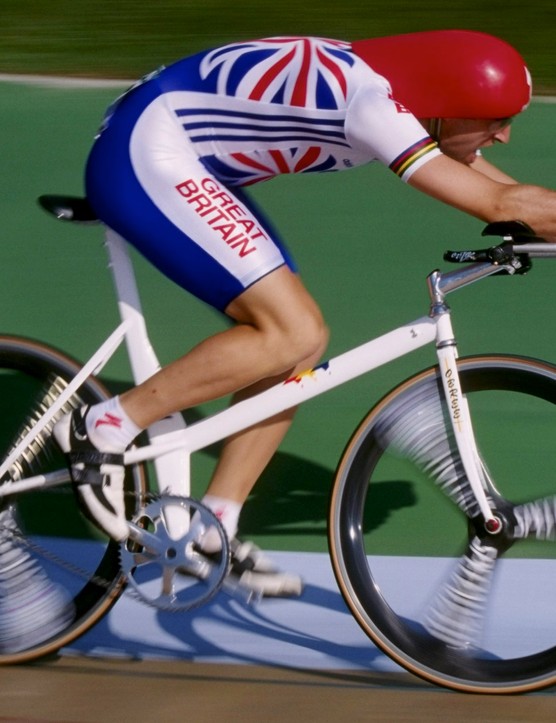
[335, 372]
[172, 438]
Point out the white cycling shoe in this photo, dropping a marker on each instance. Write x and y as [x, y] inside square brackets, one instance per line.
[251, 568]
[98, 477]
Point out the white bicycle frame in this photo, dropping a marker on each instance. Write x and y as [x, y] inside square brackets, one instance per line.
[171, 442]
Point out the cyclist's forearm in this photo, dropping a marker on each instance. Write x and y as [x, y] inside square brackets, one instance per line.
[479, 195]
[534, 205]
[488, 169]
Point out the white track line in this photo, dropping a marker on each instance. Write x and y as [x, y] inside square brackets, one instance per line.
[54, 81]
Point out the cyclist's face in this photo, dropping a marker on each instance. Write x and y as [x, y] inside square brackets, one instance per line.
[460, 138]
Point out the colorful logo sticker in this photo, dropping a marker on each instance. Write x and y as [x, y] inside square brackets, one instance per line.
[309, 373]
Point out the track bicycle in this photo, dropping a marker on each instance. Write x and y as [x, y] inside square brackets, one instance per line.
[470, 615]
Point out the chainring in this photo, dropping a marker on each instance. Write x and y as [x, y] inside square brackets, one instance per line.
[162, 559]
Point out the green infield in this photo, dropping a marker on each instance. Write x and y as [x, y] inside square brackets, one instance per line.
[126, 39]
[364, 243]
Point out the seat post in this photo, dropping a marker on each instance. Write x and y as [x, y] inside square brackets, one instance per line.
[173, 469]
[143, 360]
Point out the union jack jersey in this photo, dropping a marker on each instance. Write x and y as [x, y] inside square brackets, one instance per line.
[166, 169]
[256, 109]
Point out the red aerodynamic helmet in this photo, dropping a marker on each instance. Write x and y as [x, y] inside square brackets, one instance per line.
[450, 73]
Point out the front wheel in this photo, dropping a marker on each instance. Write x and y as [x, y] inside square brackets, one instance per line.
[439, 594]
[58, 573]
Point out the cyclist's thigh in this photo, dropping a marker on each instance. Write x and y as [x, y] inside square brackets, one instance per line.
[146, 182]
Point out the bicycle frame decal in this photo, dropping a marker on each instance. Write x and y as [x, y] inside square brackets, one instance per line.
[453, 395]
[310, 373]
[460, 418]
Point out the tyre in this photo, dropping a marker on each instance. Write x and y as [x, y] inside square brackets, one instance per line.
[443, 597]
[58, 574]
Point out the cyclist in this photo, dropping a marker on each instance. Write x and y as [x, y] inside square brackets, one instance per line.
[167, 170]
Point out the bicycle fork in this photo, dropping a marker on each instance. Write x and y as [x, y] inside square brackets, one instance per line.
[460, 416]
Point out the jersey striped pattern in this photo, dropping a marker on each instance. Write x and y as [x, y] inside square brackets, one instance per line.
[309, 142]
[302, 86]
[411, 155]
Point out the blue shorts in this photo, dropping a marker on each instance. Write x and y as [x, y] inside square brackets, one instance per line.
[145, 181]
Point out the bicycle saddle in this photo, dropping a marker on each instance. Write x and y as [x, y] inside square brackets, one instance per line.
[69, 208]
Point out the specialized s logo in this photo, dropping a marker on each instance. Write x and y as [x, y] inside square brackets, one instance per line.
[110, 420]
[304, 72]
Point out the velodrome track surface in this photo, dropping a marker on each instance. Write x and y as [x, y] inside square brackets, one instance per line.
[305, 659]
[99, 691]
[349, 236]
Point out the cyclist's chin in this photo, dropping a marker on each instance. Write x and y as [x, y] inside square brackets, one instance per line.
[470, 158]
[461, 155]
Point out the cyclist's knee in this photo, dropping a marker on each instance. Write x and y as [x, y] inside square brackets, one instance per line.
[311, 337]
[302, 340]
[286, 316]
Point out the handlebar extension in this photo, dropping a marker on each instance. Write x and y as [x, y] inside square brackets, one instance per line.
[514, 255]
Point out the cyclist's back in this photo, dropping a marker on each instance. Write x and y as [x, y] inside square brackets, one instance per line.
[281, 105]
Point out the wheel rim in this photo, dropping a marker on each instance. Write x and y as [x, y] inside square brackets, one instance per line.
[392, 622]
[51, 530]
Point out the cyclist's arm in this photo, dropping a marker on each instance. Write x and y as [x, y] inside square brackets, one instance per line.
[487, 169]
[460, 186]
